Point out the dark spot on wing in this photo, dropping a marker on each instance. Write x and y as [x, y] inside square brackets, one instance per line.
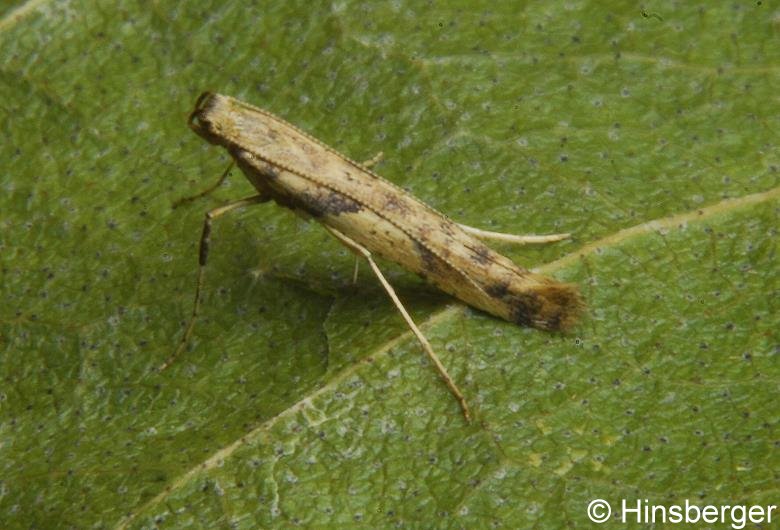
[429, 259]
[553, 306]
[498, 289]
[446, 227]
[481, 255]
[525, 308]
[395, 204]
[424, 232]
[327, 203]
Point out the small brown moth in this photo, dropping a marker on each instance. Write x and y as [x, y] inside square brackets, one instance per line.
[370, 215]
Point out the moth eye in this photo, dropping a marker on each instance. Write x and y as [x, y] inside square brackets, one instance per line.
[196, 121]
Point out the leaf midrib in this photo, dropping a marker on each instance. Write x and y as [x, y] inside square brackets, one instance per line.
[676, 221]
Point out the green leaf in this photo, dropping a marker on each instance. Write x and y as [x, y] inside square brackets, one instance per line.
[304, 400]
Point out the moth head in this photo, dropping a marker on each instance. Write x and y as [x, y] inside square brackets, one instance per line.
[205, 117]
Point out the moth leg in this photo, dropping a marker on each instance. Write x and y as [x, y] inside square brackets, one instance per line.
[185, 200]
[203, 254]
[374, 160]
[512, 238]
[356, 247]
[355, 272]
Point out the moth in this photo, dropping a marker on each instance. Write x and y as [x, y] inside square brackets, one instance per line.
[373, 217]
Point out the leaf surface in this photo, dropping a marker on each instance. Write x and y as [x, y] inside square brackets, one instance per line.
[304, 400]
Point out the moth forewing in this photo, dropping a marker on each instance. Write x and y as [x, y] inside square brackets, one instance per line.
[305, 174]
[371, 215]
